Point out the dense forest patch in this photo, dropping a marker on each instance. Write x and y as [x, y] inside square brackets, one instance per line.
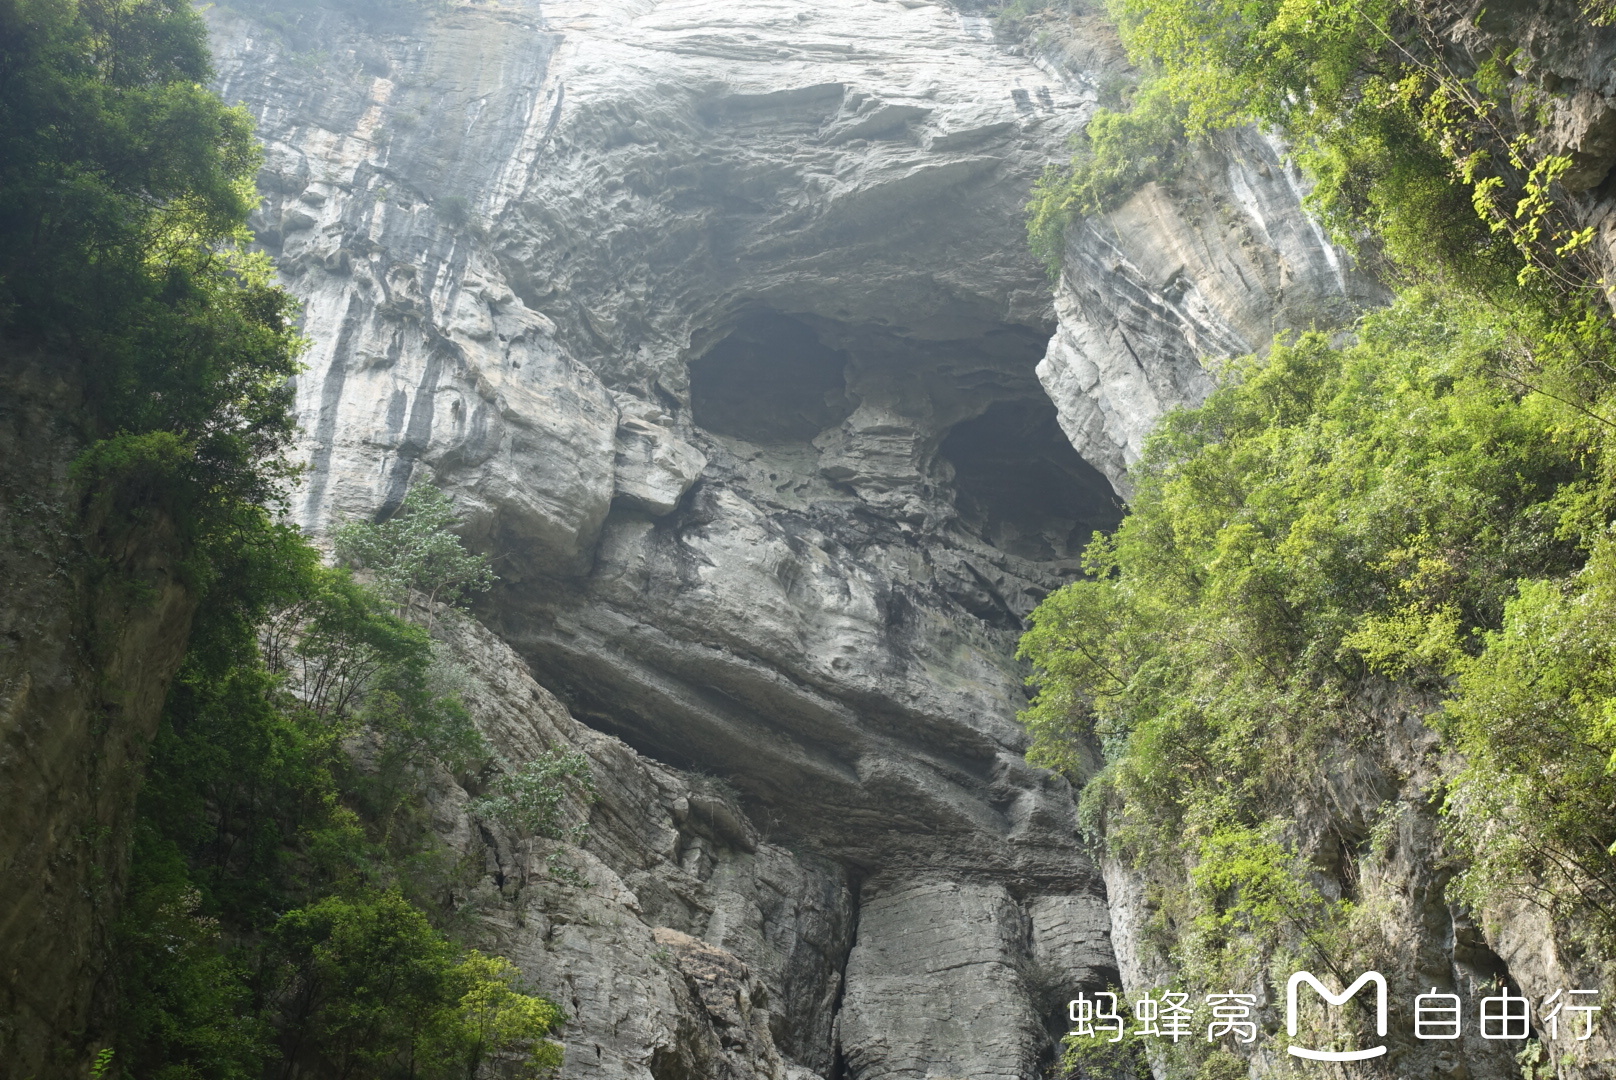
[279, 910]
[1367, 565]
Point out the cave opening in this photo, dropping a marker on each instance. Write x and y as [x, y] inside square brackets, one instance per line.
[777, 380]
[770, 380]
[1022, 487]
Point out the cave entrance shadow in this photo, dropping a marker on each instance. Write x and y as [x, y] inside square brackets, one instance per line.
[1022, 487]
[770, 380]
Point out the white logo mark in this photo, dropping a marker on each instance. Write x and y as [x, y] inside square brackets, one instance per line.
[1336, 999]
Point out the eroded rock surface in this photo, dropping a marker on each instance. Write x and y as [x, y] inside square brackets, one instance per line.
[93, 626]
[680, 941]
[1214, 265]
[718, 322]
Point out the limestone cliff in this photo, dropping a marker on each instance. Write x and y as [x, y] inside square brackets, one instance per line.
[718, 323]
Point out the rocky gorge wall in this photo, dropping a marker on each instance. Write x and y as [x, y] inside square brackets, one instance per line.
[717, 322]
[93, 627]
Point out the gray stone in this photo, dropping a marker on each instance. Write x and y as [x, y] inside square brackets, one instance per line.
[719, 325]
[1171, 280]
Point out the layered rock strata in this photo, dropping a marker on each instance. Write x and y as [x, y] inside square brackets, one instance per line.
[717, 322]
[1216, 264]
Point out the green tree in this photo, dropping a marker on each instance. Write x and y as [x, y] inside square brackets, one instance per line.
[254, 805]
[124, 191]
[493, 1015]
[1119, 151]
[531, 797]
[370, 989]
[1416, 520]
[1534, 717]
[1417, 149]
[1327, 530]
[417, 551]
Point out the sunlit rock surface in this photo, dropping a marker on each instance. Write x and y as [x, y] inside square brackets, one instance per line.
[1215, 265]
[718, 322]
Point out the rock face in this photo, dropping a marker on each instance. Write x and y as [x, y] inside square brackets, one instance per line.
[1215, 265]
[718, 323]
[685, 941]
[681, 941]
[93, 625]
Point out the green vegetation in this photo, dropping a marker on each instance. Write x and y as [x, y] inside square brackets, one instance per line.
[1430, 159]
[1352, 541]
[278, 907]
[530, 798]
[124, 189]
[1341, 535]
[282, 889]
[1118, 152]
[415, 551]
[1327, 531]
[1535, 718]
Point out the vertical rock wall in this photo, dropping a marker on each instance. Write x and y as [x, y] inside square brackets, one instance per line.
[92, 627]
[717, 321]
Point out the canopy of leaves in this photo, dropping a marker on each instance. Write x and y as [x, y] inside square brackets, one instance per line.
[277, 910]
[416, 551]
[531, 797]
[124, 190]
[1335, 525]
[370, 989]
[274, 908]
[1119, 151]
[1534, 717]
[1416, 520]
[1415, 144]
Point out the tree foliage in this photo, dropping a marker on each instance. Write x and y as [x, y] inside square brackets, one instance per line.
[531, 797]
[1414, 522]
[416, 552]
[278, 907]
[279, 881]
[1534, 716]
[124, 190]
[1119, 151]
[1425, 150]
[367, 985]
[1339, 531]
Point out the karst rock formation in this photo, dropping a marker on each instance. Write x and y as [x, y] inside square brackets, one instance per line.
[718, 323]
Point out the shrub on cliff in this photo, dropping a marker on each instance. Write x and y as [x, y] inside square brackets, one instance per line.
[1349, 538]
[1342, 535]
[416, 552]
[1417, 149]
[267, 866]
[368, 988]
[282, 879]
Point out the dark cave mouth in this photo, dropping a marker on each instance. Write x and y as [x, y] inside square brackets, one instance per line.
[773, 380]
[1021, 486]
[769, 381]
